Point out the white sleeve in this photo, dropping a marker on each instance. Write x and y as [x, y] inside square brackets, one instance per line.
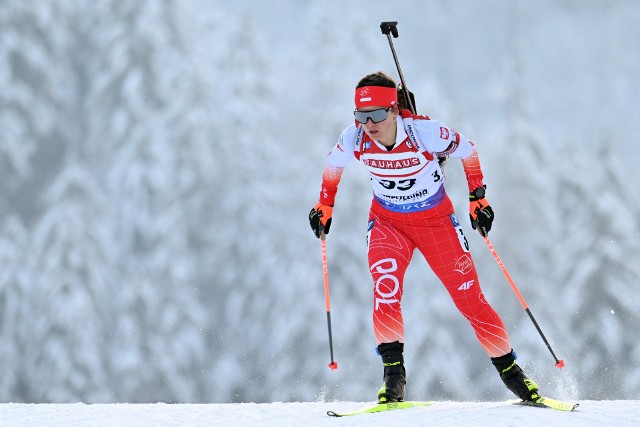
[343, 152]
[441, 140]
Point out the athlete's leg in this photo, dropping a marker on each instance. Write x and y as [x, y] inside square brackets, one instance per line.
[389, 255]
[445, 248]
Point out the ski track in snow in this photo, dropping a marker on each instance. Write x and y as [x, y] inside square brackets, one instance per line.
[495, 414]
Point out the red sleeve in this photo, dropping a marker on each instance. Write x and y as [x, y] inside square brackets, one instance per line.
[330, 179]
[473, 171]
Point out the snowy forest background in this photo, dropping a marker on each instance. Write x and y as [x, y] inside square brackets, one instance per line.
[158, 161]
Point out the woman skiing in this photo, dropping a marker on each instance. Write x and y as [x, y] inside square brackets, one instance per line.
[411, 210]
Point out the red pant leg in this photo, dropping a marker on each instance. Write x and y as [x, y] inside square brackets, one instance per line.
[390, 252]
[444, 246]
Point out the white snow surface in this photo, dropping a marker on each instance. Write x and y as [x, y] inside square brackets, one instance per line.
[590, 413]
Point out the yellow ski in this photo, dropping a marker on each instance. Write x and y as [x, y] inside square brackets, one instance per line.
[547, 402]
[381, 407]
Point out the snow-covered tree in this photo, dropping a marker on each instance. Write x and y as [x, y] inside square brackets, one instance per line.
[595, 275]
[14, 295]
[68, 324]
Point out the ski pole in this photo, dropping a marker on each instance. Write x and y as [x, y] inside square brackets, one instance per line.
[327, 301]
[388, 29]
[559, 362]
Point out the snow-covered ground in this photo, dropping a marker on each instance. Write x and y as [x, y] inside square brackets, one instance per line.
[495, 414]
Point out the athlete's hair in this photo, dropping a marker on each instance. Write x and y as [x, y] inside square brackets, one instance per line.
[376, 79]
[382, 79]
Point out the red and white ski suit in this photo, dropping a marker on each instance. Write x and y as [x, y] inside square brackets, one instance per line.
[410, 209]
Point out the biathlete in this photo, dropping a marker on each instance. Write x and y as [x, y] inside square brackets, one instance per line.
[411, 210]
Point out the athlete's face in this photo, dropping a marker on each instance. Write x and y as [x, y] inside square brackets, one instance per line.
[384, 131]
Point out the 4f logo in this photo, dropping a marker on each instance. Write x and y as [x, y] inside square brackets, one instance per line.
[466, 285]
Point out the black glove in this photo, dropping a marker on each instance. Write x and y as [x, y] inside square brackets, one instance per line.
[320, 218]
[480, 211]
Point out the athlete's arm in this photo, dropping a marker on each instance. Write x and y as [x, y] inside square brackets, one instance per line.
[338, 158]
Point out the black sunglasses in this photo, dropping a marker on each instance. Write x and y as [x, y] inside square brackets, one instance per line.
[376, 116]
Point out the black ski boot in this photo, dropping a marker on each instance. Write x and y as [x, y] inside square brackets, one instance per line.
[514, 378]
[394, 373]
